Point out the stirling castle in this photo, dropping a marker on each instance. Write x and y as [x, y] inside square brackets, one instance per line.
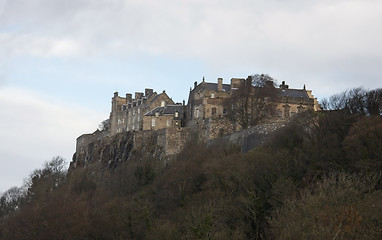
[208, 112]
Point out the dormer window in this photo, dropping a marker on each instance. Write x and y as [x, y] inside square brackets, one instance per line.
[156, 114]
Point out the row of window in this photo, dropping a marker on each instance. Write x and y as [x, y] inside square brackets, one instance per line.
[153, 122]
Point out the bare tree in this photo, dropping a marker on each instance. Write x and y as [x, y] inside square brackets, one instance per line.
[373, 102]
[356, 100]
[11, 200]
[251, 102]
[104, 125]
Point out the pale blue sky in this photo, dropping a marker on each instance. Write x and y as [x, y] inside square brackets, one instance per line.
[62, 60]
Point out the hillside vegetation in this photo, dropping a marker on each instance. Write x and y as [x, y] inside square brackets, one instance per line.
[317, 178]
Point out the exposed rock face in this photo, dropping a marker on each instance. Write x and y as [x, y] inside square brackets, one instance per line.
[108, 150]
[111, 150]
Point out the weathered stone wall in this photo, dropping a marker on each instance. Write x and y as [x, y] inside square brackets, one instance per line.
[113, 149]
[249, 138]
[218, 127]
[160, 144]
[176, 139]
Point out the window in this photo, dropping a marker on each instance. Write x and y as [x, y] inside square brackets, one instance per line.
[162, 103]
[153, 122]
[213, 111]
[224, 111]
[197, 113]
[212, 95]
[176, 114]
[279, 113]
[168, 123]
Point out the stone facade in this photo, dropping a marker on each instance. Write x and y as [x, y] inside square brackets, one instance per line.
[206, 101]
[127, 113]
[170, 116]
[207, 105]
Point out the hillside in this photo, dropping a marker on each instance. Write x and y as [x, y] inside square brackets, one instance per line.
[319, 177]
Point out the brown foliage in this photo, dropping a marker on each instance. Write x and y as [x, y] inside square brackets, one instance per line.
[250, 103]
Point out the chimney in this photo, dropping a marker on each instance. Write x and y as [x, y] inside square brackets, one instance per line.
[129, 97]
[148, 91]
[138, 95]
[195, 84]
[283, 86]
[236, 83]
[116, 94]
[220, 84]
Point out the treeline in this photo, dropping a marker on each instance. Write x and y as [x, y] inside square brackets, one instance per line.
[317, 178]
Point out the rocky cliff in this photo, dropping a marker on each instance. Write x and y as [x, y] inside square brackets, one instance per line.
[160, 145]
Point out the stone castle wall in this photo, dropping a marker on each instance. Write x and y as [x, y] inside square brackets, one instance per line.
[111, 149]
[163, 143]
[249, 138]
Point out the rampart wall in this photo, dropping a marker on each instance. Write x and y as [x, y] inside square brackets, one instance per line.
[159, 144]
[249, 138]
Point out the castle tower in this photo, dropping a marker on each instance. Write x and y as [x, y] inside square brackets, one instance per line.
[113, 113]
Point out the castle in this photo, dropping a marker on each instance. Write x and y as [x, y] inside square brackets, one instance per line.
[207, 112]
[207, 103]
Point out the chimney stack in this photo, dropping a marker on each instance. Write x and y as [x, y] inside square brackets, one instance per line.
[284, 86]
[129, 97]
[220, 84]
[138, 95]
[148, 91]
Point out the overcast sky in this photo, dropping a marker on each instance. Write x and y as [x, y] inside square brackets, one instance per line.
[62, 60]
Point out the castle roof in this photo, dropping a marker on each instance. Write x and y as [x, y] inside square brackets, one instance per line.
[214, 87]
[294, 93]
[167, 110]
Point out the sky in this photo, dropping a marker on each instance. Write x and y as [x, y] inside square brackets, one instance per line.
[62, 60]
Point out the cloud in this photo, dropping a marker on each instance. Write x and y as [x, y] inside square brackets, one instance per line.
[34, 129]
[206, 29]
[28, 44]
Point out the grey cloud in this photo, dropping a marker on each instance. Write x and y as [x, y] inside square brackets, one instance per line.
[314, 37]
